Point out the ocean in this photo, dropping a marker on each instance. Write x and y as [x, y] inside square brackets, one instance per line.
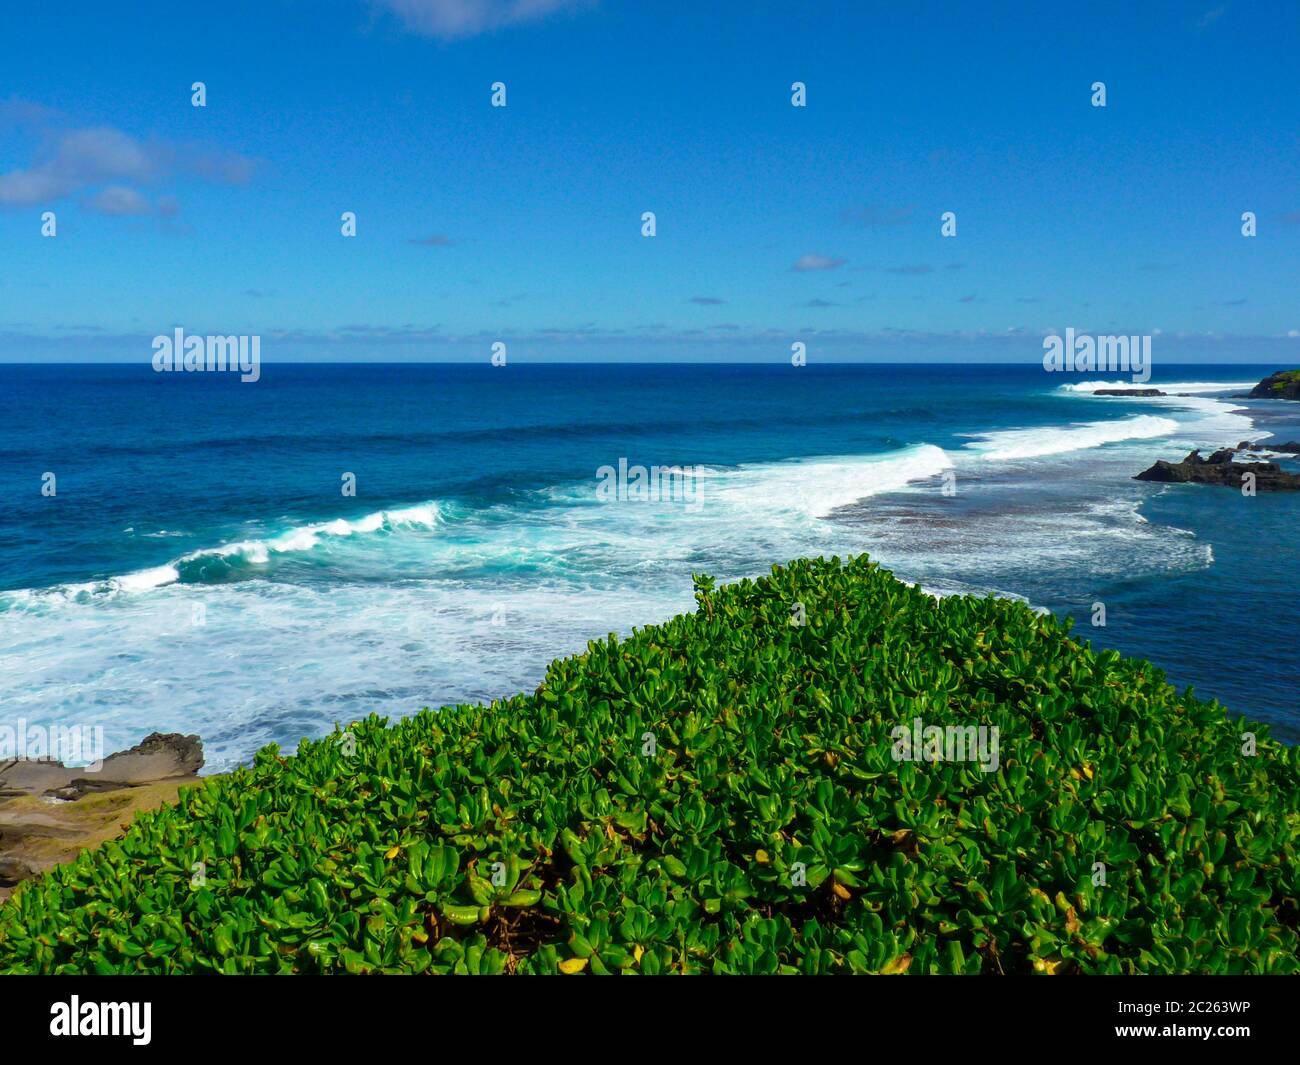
[197, 564]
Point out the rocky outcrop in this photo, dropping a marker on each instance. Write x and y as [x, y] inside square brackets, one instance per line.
[1289, 448]
[1129, 392]
[1220, 469]
[1285, 384]
[49, 812]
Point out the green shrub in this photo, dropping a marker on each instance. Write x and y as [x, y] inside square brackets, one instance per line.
[650, 807]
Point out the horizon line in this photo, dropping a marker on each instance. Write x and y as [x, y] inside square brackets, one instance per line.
[614, 362]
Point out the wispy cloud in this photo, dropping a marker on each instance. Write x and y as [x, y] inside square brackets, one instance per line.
[434, 240]
[119, 199]
[110, 163]
[72, 160]
[1210, 18]
[707, 301]
[912, 268]
[455, 19]
[817, 262]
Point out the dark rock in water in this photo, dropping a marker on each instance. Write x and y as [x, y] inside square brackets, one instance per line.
[1128, 392]
[1289, 448]
[49, 812]
[1221, 470]
[1285, 384]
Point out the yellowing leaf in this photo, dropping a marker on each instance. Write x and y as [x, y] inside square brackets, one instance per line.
[570, 966]
[392, 853]
[898, 966]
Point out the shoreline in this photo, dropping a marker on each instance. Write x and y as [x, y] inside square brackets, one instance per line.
[396, 853]
[452, 672]
[50, 813]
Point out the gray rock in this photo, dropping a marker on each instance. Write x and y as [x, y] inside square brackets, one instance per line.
[49, 813]
[159, 756]
[1288, 448]
[1221, 470]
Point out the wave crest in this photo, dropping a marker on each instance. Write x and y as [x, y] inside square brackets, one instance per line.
[240, 560]
[1013, 444]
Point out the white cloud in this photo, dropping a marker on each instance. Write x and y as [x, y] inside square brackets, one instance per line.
[73, 159]
[67, 160]
[119, 199]
[451, 19]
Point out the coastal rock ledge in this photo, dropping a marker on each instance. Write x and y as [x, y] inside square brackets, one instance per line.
[1220, 469]
[1285, 384]
[49, 812]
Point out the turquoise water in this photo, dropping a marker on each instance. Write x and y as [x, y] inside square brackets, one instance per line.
[200, 568]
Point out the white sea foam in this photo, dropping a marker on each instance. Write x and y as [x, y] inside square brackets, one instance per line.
[254, 552]
[308, 537]
[420, 618]
[145, 579]
[818, 486]
[1013, 444]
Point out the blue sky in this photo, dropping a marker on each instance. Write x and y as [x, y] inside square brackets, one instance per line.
[774, 223]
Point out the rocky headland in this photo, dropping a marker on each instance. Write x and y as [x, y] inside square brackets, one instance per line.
[49, 813]
[1285, 384]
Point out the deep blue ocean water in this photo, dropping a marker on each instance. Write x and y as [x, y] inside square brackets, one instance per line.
[200, 568]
